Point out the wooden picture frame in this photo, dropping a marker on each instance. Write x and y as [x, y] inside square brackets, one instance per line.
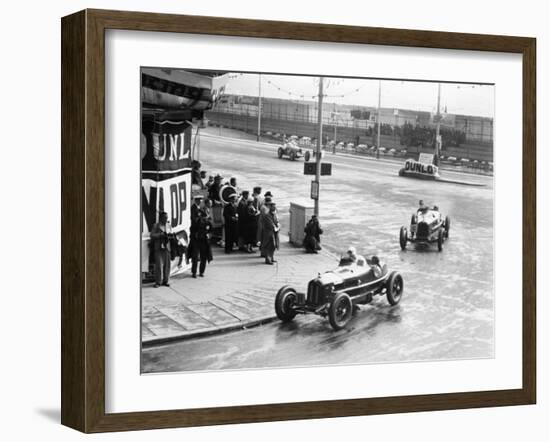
[83, 220]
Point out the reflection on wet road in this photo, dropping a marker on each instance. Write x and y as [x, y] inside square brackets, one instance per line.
[447, 308]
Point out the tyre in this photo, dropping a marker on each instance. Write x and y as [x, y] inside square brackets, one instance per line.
[440, 240]
[340, 311]
[307, 155]
[280, 152]
[284, 302]
[413, 219]
[292, 155]
[447, 226]
[394, 288]
[403, 238]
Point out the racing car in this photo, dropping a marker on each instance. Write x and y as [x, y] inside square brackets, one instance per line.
[290, 149]
[337, 293]
[427, 227]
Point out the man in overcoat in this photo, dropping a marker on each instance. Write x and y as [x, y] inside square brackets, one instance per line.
[230, 218]
[270, 233]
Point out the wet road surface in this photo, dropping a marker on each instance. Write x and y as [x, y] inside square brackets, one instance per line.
[447, 308]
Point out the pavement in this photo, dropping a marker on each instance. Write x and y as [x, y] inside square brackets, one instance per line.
[237, 292]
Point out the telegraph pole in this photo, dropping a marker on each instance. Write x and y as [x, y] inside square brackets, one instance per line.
[259, 105]
[378, 118]
[319, 141]
[437, 126]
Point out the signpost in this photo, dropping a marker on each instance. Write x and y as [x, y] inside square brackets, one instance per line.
[311, 169]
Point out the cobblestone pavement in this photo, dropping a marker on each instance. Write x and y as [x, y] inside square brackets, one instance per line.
[238, 291]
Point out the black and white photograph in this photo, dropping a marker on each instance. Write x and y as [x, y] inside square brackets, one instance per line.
[303, 221]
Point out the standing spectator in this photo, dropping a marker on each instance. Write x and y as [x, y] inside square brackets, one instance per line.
[250, 225]
[196, 176]
[230, 217]
[214, 189]
[209, 182]
[199, 245]
[264, 210]
[195, 207]
[160, 235]
[242, 209]
[270, 233]
[313, 231]
[258, 202]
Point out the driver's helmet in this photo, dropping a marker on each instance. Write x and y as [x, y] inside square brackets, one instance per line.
[375, 260]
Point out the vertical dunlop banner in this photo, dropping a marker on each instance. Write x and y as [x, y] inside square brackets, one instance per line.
[165, 180]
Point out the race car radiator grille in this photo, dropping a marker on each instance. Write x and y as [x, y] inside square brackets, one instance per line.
[314, 293]
[422, 230]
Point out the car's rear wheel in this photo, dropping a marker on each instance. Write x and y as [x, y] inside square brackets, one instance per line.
[340, 311]
[403, 238]
[394, 288]
[307, 155]
[292, 155]
[440, 239]
[284, 303]
[413, 219]
[280, 152]
[447, 226]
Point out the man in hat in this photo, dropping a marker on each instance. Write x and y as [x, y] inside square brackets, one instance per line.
[243, 224]
[199, 245]
[230, 217]
[214, 189]
[195, 207]
[161, 250]
[270, 233]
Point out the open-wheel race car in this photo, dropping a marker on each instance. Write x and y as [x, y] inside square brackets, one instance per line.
[290, 149]
[427, 227]
[336, 294]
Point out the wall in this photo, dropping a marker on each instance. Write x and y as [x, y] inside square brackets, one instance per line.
[30, 287]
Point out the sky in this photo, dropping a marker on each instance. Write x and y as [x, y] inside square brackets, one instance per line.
[458, 98]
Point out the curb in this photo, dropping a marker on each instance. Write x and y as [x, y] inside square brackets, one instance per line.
[205, 332]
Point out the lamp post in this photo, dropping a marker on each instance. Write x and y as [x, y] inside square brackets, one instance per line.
[437, 126]
[318, 147]
[259, 105]
[378, 118]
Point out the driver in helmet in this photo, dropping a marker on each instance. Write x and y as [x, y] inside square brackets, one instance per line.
[354, 257]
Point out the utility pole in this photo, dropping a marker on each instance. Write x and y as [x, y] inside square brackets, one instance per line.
[437, 126]
[378, 118]
[319, 141]
[259, 105]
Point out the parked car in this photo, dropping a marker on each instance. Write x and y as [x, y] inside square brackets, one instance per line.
[336, 294]
[427, 227]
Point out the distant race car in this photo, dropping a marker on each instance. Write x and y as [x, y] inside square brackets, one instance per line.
[427, 227]
[290, 149]
[337, 293]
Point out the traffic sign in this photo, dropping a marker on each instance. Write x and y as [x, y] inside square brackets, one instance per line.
[314, 190]
[310, 168]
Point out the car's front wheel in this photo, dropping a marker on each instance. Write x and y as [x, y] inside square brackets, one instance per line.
[284, 303]
[394, 288]
[440, 240]
[447, 226]
[403, 238]
[292, 155]
[280, 152]
[307, 155]
[340, 311]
